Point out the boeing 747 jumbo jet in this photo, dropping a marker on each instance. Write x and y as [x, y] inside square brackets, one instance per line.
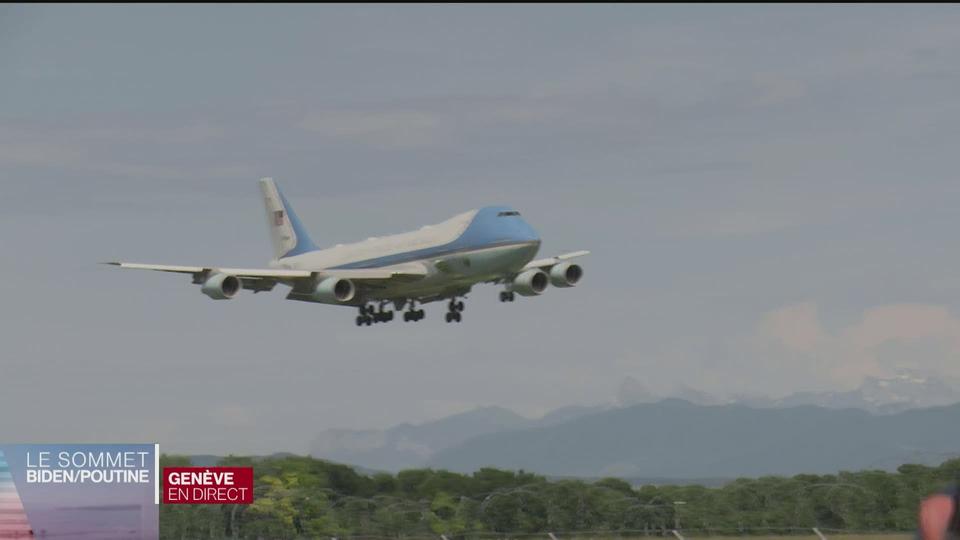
[437, 262]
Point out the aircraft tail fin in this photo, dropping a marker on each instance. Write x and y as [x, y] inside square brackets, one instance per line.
[287, 234]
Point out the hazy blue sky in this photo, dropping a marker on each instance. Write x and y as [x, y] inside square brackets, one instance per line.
[770, 193]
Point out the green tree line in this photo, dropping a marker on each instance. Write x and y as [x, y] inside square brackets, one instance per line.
[301, 497]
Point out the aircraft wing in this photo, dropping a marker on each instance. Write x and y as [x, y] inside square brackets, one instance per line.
[545, 264]
[264, 279]
[239, 272]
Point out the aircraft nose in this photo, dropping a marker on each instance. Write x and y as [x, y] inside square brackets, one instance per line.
[527, 233]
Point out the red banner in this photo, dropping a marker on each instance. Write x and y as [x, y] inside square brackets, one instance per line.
[207, 485]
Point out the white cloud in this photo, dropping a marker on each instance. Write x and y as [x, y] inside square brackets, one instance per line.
[118, 149]
[430, 122]
[232, 415]
[795, 327]
[387, 128]
[775, 88]
[885, 339]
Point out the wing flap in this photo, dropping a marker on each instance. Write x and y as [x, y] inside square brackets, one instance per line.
[402, 272]
[267, 273]
[264, 279]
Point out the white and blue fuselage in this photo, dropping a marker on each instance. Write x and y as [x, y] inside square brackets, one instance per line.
[473, 247]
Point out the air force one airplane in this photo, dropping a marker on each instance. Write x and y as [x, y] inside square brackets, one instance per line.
[437, 262]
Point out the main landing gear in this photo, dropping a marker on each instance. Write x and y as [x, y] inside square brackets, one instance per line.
[455, 310]
[412, 314]
[370, 314]
[506, 296]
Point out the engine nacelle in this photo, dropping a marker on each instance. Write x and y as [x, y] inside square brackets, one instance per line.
[334, 290]
[530, 283]
[565, 274]
[221, 286]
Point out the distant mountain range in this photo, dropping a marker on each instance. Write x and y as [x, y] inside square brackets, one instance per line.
[678, 439]
[881, 424]
[903, 391]
[883, 396]
[407, 446]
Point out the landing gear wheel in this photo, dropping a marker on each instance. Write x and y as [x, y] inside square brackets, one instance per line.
[454, 307]
[359, 320]
[413, 315]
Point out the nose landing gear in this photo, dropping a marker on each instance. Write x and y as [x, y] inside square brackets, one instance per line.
[506, 296]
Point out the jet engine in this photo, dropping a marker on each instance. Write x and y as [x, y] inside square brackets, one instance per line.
[565, 274]
[530, 283]
[221, 286]
[334, 290]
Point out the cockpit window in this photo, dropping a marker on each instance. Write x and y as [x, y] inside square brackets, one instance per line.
[510, 213]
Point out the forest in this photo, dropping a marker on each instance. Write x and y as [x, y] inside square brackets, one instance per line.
[302, 497]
